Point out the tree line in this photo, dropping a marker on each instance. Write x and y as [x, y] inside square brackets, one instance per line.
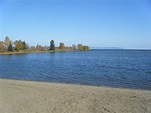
[19, 45]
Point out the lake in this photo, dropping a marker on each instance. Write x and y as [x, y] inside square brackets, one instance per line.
[111, 68]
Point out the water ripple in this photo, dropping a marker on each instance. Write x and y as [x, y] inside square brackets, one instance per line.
[127, 69]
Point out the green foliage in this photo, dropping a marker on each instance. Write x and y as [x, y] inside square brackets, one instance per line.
[16, 49]
[10, 47]
[52, 45]
[20, 45]
[24, 46]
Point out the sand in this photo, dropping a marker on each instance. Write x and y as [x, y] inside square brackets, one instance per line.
[38, 97]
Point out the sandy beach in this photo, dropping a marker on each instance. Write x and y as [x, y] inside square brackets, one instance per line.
[39, 97]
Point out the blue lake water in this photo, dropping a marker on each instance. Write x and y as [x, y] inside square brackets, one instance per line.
[113, 68]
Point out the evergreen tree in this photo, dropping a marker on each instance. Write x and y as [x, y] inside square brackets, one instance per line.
[24, 46]
[52, 45]
[10, 47]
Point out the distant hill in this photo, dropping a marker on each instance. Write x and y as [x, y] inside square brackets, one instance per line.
[119, 48]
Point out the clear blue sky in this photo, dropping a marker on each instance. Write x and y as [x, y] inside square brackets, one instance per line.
[97, 23]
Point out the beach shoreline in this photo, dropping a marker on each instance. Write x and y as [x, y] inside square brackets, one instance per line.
[27, 96]
[24, 52]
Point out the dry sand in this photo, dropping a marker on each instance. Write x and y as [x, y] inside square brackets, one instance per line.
[37, 97]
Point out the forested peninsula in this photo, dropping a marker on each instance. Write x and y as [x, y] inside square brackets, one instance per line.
[19, 47]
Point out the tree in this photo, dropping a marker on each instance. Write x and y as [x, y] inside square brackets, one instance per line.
[24, 45]
[27, 46]
[7, 41]
[10, 47]
[80, 47]
[18, 45]
[62, 46]
[43, 48]
[86, 48]
[32, 48]
[38, 47]
[74, 47]
[52, 45]
[2, 47]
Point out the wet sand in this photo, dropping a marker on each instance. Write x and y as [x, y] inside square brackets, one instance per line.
[39, 97]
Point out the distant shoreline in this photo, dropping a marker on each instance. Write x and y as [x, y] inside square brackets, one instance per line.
[27, 52]
[121, 49]
[9, 53]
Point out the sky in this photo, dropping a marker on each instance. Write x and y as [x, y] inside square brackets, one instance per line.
[96, 23]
